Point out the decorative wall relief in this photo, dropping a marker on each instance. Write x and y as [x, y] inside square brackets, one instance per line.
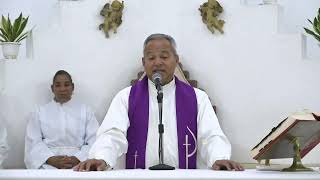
[210, 11]
[112, 17]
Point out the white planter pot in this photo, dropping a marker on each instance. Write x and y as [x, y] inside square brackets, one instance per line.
[10, 50]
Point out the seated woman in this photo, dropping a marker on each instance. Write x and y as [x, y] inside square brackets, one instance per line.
[60, 133]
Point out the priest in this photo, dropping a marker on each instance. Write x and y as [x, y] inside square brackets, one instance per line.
[192, 135]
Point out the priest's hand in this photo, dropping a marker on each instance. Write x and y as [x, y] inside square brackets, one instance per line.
[227, 165]
[72, 160]
[62, 162]
[92, 165]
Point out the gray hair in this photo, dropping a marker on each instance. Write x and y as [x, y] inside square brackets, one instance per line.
[161, 36]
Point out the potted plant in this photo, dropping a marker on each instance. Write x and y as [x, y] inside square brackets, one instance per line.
[11, 33]
[316, 27]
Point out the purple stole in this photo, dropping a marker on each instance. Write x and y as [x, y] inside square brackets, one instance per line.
[186, 112]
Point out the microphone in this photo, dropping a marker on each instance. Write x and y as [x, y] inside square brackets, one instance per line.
[156, 79]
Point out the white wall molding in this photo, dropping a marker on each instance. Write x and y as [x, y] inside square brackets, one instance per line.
[254, 72]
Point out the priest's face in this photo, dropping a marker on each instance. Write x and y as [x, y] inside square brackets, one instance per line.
[159, 56]
[62, 88]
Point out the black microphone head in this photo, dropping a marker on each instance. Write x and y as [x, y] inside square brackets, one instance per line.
[157, 78]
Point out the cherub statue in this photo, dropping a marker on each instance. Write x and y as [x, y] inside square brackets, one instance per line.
[112, 17]
[209, 12]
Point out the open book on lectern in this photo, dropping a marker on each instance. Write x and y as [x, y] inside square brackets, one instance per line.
[305, 126]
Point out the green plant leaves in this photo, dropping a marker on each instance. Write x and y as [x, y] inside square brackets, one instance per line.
[312, 33]
[22, 26]
[23, 36]
[316, 27]
[9, 29]
[13, 32]
[16, 25]
[4, 24]
[3, 38]
[4, 35]
[318, 14]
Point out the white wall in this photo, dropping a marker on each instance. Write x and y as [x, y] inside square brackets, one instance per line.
[254, 74]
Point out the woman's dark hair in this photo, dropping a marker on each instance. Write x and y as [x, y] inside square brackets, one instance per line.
[62, 72]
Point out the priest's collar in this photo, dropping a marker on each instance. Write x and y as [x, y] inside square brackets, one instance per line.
[170, 86]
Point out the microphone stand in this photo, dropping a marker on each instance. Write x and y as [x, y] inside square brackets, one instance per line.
[161, 165]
